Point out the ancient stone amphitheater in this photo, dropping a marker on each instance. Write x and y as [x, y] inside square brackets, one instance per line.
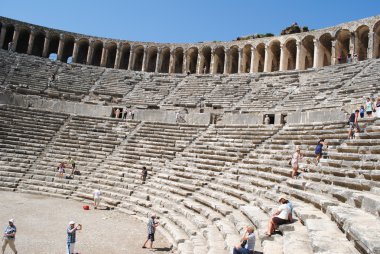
[214, 167]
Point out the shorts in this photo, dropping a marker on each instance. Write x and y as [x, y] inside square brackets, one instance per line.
[151, 237]
[319, 152]
[279, 221]
[353, 125]
[369, 112]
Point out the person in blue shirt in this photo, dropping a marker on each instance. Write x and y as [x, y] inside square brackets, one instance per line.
[318, 150]
[71, 236]
[151, 226]
[9, 236]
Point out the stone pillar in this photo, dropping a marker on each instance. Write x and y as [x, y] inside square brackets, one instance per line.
[45, 52]
[199, 67]
[240, 59]
[144, 62]
[370, 45]
[282, 57]
[75, 50]
[131, 56]
[103, 60]
[60, 47]
[352, 46]
[299, 56]
[212, 61]
[90, 52]
[158, 61]
[316, 57]
[171, 62]
[118, 56]
[16, 34]
[333, 53]
[31, 41]
[2, 35]
[253, 55]
[226, 60]
[184, 67]
[267, 61]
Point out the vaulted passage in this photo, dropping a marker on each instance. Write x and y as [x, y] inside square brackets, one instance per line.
[307, 53]
[342, 46]
[289, 54]
[165, 60]
[258, 64]
[138, 58]
[218, 61]
[8, 36]
[246, 61]
[274, 52]
[192, 59]
[205, 60]
[111, 55]
[325, 50]
[68, 47]
[53, 44]
[361, 42]
[178, 60]
[82, 51]
[38, 43]
[125, 55]
[97, 53]
[376, 40]
[233, 60]
[151, 59]
[22, 42]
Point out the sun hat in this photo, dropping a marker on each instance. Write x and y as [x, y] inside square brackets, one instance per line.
[71, 223]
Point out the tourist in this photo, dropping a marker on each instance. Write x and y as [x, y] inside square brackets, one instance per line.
[132, 114]
[353, 122]
[72, 164]
[368, 107]
[266, 120]
[290, 205]
[297, 156]
[9, 236]
[177, 117]
[10, 46]
[374, 105]
[378, 108]
[318, 150]
[117, 113]
[152, 225]
[339, 58]
[281, 216]
[71, 237]
[125, 113]
[247, 244]
[356, 133]
[144, 174]
[361, 111]
[204, 69]
[96, 195]
[349, 58]
[355, 58]
[61, 169]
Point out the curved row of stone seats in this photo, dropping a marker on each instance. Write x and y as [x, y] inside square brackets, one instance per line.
[318, 88]
[150, 145]
[5, 66]
[24, 134]
[88, 140]
[267, 91]
[229, 92]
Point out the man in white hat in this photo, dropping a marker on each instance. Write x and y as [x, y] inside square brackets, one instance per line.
[71, 236]
[10, 236]
[152, 225]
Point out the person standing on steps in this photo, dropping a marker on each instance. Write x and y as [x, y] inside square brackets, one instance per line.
[297, 156]
[10, 236]
[353, 122]
[318, 150]
[378, 107]
[144, 174]
[247, 244]
[152, 225]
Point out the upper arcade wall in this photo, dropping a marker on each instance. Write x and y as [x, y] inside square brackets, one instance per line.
[356, 40]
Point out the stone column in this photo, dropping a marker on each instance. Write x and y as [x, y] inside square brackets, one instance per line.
[212, 61]
[118, 56]
[333, 53]
[266, 60]
[184, 67]
[103, 60]
[370, 45]
[352, 46]
[316, 57]
[145, 56]
[131, 56]
[16, 33]
[171, 62]
[226, 60]
[158, 61]
[299, 56]
[75, 50]
[253, 55]
[60, 47]
[240, 51]
[282, 57]
[90, 52]
[2, 35]
[31, 41]
[199, 67]
[45, 52]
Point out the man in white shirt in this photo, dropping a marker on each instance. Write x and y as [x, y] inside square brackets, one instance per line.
[281, 216]
[247, 244]
[96, 195]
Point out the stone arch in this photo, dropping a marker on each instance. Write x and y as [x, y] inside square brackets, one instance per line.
[361, 42]
[274, 52]
[289, 54]
[9, 30]
[138, 58]
[83, 45]
[97, 48]
[342, 45]
[192, 59]
[38, 43]
[219, 55]
[177, 60]
[307, 53]
[165, 60]
[205, 60]
[376, 40]
[325, 50]
[111, 54]
[151, 59]
[259, 59]
[53, 44]
[68, 47]
[233, 62]
[246, 61]
[23, 40]
[125, 55]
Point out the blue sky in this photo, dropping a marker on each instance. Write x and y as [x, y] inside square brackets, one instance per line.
[185, 20]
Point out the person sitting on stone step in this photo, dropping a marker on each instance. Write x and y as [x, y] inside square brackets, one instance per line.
[247, 244]
[281, 216]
